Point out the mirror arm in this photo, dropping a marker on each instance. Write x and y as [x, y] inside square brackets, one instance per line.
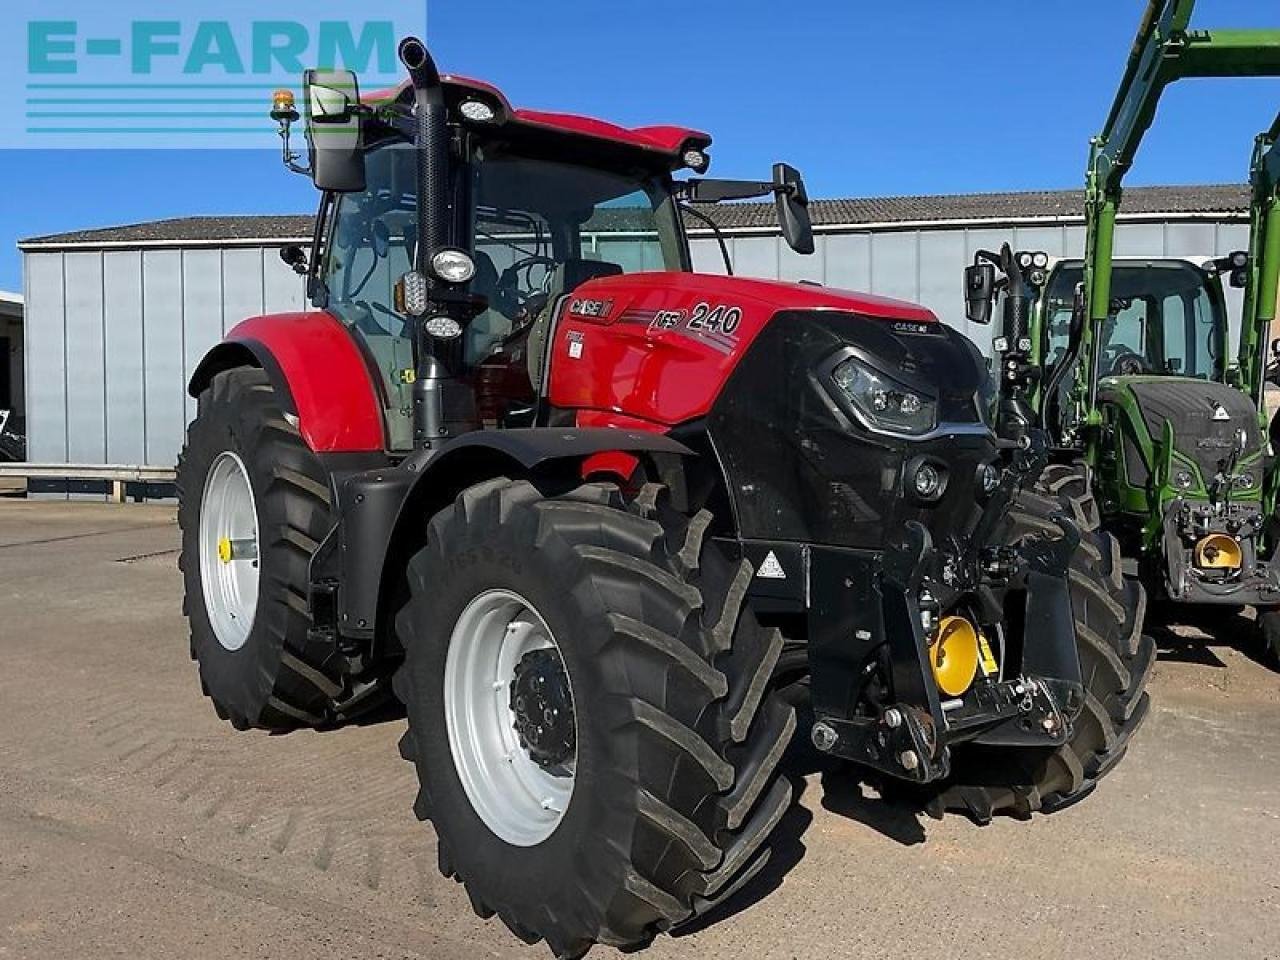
[289, 156]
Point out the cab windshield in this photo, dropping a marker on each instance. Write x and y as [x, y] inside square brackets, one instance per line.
[1163, 321]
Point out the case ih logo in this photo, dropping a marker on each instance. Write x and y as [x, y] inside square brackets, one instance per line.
[196, 74]
[591, 309]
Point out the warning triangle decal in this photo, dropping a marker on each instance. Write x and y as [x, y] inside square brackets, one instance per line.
[771, 569]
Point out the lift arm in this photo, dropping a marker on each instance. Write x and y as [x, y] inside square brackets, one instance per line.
[1264, 261]
[1166, 50]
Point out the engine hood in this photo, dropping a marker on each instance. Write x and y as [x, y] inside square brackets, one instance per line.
[676, 289]
[658, 347]
[1206, 417]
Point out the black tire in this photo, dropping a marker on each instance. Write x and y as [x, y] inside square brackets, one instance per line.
[1116, 659]
[279, 680]
[677, 789]
[1268, 633]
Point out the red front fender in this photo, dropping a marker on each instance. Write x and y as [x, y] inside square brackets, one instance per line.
[317, 367]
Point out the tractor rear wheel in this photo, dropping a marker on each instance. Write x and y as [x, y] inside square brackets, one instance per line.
[254, 504]
[1116, 659]
[589, 712]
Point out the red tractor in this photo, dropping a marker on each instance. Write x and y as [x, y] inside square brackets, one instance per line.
[599, 521]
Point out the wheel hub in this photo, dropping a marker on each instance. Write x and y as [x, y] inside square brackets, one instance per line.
[543, 708]
[228, 550]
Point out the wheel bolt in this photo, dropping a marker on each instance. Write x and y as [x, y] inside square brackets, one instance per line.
[909, 760]
[892, 718]
[824, 736]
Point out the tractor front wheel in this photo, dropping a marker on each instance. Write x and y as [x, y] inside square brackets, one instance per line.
[1268, 632]
[589, 712]
[1116, 659]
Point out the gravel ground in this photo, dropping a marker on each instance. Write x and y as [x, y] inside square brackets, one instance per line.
[134, 824]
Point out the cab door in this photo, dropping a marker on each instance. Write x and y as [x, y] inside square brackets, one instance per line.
[369, 244]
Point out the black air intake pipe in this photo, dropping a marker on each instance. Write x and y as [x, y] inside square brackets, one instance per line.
[443, 405]
[432, 135]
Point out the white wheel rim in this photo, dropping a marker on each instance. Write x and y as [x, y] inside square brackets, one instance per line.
[228, 545]
[519, 800]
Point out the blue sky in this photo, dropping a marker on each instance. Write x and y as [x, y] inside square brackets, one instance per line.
[931, 96]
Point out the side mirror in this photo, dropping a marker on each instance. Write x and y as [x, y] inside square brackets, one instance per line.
[332, 99]
[979, 288]
[793, 208]
[296, 258]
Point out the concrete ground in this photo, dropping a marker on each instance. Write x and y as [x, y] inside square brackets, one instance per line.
[134, 824]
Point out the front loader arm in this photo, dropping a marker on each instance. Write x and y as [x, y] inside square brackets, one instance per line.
[1165, 50]
[1264, 262]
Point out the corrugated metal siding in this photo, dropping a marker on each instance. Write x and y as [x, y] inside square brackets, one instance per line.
[925, 265]
[112, 337]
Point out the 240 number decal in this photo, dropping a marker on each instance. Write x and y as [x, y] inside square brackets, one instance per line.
[704, 319]
[715, 319]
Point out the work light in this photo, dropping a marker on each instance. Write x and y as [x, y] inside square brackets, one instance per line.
[452, 265]
[696, 160]
[476, 111]
[443, 328]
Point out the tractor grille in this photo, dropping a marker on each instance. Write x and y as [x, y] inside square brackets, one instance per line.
[1190, 406]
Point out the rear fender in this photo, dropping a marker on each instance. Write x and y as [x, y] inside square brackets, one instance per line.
[316, 369]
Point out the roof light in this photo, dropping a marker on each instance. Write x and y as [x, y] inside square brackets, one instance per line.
[1040, 260]
[1239, 260]
[477, 111]
[696, 160]
[1024, 259]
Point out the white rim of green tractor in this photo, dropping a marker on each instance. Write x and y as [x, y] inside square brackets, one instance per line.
[228, 545]
[519, 800]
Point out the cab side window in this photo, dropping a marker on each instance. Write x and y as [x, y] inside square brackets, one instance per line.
[370, 246]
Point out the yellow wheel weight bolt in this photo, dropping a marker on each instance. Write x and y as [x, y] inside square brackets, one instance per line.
[229, 550]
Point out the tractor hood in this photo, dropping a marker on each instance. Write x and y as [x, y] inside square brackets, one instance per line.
[1205, 416]
[659, 346]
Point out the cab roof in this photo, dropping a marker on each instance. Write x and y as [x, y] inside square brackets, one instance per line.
[666, 142]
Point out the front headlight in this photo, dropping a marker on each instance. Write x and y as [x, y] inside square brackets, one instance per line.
[883, 403]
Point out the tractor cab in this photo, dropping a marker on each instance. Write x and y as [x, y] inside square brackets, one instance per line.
[537, 229]
[1168, 317]
[534, 205]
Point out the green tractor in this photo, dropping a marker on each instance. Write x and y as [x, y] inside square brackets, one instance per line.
[1159, 434]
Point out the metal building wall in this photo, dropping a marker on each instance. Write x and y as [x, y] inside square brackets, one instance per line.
[113, 337]
[926, 265]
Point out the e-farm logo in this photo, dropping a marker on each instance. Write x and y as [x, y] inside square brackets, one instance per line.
[181, 75]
